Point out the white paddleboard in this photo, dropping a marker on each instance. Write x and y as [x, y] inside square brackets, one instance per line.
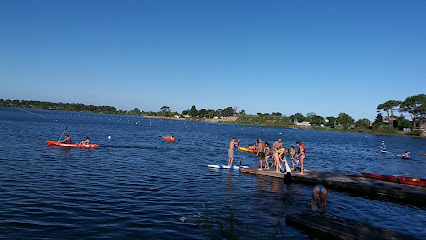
[227, 167]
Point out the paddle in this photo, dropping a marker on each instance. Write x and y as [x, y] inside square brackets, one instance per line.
[62, 135]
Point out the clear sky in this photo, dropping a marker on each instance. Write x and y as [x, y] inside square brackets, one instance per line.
[282, 56]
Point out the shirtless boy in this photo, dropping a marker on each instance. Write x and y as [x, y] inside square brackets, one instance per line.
[231, 147]
[261, 152]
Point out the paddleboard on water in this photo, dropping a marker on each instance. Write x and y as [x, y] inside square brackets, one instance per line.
[226, 166]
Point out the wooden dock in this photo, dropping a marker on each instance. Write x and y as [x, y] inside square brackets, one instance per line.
[358, 186]
[325, 226]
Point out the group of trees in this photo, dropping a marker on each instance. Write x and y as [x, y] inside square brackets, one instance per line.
[210, 113]
[414, 106]
[76, 107]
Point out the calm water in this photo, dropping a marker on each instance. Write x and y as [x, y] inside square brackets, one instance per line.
[136, 185]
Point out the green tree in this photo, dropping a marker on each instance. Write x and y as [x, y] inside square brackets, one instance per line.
[316, 120]
[165, 109]
[193, 112]
[276, 114]
[297, 117]
[227, 112]
[389, 107]
[203, 113]
[345, 120]
[402, 122]
[416, 107]
[331, 121]
[363, 123]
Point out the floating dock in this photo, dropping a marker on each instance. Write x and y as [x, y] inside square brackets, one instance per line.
[358, 186]
[325, 226]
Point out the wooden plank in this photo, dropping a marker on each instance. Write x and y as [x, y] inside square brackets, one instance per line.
[326, 226]
[354, 185]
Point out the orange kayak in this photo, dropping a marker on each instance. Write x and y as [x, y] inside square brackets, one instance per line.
[54, 143]
[169, 139]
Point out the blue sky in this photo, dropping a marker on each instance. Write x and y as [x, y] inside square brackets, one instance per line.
[325, 57]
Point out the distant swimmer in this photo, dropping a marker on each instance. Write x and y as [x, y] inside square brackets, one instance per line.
[67, 139]
[319, 191]
[232, 145]
[383, 147]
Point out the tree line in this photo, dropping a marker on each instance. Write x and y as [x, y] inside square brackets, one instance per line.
[414, 106]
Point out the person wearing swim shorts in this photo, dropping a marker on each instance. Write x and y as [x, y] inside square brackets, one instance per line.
[301, 151]
[261, 152]
[231, 147]
[319, 191]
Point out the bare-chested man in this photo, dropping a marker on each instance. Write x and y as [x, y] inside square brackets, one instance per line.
[231, 147]
[261, 152]
[277, 145]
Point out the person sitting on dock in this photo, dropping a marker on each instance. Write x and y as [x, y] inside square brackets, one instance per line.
[67, 139]
[319, 191]
[85, 142]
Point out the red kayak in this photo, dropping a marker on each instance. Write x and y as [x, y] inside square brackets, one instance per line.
[413, 181]
[54, 143]
[396, 179]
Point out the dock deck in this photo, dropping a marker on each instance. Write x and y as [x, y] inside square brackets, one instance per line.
[354, 185]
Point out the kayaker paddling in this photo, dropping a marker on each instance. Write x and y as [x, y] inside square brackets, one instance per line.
[66, 140]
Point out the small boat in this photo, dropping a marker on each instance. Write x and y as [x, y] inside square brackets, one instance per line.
[55, 143]
[423, 154]
[169, 139]
[227, 167]
[387, 178]
[397, 179]
[412, 181]
[247, 150]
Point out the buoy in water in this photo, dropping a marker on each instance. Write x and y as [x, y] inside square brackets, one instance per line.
[109, 137]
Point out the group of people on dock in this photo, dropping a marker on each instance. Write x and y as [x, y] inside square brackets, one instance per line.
[277, 152]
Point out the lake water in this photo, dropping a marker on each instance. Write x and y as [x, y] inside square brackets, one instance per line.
[136, 185]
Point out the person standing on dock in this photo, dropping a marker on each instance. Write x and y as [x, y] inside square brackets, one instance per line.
[319, 191]
[231, 147]
[277, 145]
[301, 151]
[267, 154]
[261, 152]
